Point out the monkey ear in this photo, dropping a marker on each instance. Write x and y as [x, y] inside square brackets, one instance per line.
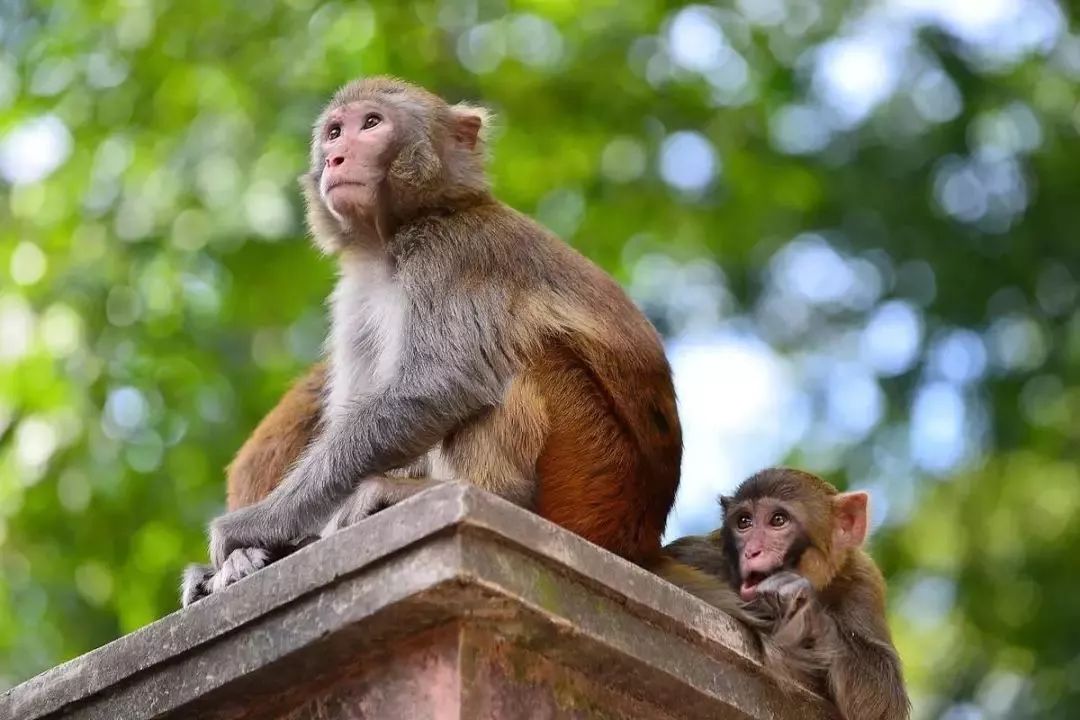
[468, 124]
[850, 512]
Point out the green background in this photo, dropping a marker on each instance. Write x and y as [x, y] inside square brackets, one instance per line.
[157, 292]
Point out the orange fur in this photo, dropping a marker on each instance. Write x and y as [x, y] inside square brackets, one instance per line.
[595, 476]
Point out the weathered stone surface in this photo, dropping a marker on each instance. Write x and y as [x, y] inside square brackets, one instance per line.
[453, 604]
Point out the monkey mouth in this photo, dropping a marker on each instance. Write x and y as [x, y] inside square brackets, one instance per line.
[331, 184]
[748, 588]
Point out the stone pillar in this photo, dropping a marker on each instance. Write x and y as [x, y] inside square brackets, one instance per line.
[451, 605]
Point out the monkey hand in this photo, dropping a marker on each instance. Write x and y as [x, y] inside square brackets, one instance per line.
[375, 494]
[200, 581]
[800, 622]
[248, 527]
[784, 594]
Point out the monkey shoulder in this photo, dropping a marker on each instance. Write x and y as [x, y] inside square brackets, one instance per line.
[856, 596]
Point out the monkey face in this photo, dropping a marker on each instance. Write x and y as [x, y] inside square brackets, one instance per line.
[356, 143]
[767, 537]
[383, 151]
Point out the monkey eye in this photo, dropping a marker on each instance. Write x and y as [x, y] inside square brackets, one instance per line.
[743, 522]
[371, 120]
[778, 519]
[334, 132]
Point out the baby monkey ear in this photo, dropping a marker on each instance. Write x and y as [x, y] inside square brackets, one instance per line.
[469, 124]
[850, 511]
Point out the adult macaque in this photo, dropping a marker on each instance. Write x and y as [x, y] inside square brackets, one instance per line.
[790, 549]
[466, 343]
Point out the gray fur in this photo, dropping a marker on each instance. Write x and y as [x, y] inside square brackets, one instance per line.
[446, 374]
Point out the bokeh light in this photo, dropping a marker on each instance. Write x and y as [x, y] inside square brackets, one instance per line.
[853, 223]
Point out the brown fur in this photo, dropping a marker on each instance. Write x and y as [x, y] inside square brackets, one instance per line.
[839, 642]
[600, 474]
[587, 432]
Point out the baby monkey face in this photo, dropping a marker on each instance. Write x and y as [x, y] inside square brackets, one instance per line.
[768, 538]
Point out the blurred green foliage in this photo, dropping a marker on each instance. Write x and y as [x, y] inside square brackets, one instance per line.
[157, 293]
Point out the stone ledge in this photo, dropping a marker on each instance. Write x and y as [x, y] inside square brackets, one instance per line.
[452, 604]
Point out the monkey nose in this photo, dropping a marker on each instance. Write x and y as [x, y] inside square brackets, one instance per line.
[335, 160]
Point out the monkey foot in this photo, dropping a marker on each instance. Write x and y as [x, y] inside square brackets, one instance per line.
[202, 580]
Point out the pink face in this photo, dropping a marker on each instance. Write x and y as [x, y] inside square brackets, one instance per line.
[767, 537]
[357, 144]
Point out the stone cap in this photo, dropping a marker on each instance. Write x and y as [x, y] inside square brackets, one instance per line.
[452, 554]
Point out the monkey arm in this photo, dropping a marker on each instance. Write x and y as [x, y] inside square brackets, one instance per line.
[866, 680]
[450, 369]
[704, 586]
[865, 676]
[698, 565]
[705, 553]
[846, 643]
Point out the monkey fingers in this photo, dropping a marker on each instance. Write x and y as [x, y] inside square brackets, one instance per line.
[202, 580]
[786, 593]
[237, 566]
[247, 527]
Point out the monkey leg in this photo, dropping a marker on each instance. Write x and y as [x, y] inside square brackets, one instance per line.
[607, 471]
[498, 449]
[566, 444]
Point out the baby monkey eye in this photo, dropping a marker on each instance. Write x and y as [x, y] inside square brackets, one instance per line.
[778, 519]
[371, 121]
[743, 522]
[334, 132]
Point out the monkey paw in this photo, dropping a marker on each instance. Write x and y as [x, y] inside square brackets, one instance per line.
[202, 580]
[240, 563]
[374, 494]
[785, 593]
[248, 527]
